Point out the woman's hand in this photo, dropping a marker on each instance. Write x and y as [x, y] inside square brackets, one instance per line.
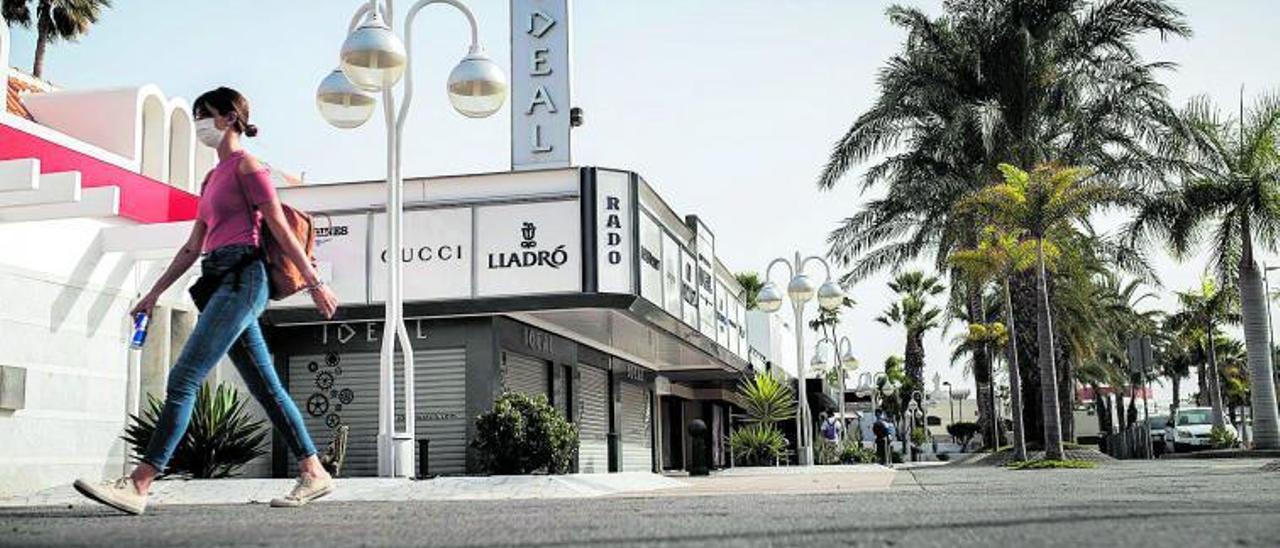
[147, 303]
[326, 302]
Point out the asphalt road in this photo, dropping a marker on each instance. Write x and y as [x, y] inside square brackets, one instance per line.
[1162, 503]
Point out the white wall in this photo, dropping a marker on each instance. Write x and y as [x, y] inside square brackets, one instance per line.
[64, 320]
[771, 335]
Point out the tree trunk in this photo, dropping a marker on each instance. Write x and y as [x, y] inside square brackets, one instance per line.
[1048, 377]
[1066, 394]
[1015, 383]
[913, 359]
[37, 64]
[1100, 410]
[985, 393]
[1202, 396]
[1262, 393]
[1119, 410]
[1177, 387]
[1023, 287]
[1214, 381]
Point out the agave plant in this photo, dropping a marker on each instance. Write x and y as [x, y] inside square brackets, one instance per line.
[766, 399]
[221, 438]
[758, 444]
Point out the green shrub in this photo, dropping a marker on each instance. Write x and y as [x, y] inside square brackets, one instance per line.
[825, 452]
[963, 432]
[757, 444]
[523, 435]
[1222, 438]
[766, 399]
[221, 438]
[852, 452]
[920, 436]
[1050, 464]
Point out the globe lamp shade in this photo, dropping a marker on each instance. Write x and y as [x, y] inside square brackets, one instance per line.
[373, 57]
[769, 299]
[343, 104]
[477, 86]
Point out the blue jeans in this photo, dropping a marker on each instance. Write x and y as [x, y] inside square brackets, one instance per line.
[228, 325]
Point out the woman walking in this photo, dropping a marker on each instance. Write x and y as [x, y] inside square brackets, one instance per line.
[236, 196]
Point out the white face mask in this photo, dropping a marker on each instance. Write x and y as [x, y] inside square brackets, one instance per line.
[208, 133]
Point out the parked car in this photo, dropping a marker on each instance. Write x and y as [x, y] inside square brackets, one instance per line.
[1157, 424]
[1189, 430]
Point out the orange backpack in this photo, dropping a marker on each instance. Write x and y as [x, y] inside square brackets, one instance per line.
[285, 278]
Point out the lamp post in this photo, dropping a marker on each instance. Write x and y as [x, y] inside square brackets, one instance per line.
[800, 290]
[951, 396]
[867, 383]
[373, 59]
[960, 395]
[846, 362]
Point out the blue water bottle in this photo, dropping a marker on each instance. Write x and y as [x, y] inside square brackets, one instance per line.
[139, 330]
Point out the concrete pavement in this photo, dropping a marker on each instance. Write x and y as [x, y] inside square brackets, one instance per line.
[1148, 503]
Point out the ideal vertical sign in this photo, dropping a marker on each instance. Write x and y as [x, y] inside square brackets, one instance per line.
[540, 84]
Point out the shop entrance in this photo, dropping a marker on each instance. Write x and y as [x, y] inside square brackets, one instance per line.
[336, 388]
[593, 427]
[637, 428]
[525, 374]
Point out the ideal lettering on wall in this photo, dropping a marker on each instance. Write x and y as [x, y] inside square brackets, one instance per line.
[540, 84]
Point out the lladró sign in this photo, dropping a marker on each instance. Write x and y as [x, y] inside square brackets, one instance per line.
[540, 84]
[528, 248]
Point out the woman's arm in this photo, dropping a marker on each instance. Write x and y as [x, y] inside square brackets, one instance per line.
[273, 214]
[181, 262]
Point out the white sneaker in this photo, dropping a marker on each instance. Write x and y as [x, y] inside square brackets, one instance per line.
[306, 490]
[120, 494]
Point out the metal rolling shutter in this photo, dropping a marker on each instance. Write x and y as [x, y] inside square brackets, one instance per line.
[336, 389]
[637, 429]
[593, 426]
[525, 375]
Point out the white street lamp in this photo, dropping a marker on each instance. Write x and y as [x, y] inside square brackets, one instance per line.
[844, 360]
[343, 104]
[477, 86]
[800, 290]
[374, 59]
[769, 300]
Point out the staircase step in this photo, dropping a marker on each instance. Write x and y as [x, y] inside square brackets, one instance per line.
[53, 188]
[23, 174]
[102, 201]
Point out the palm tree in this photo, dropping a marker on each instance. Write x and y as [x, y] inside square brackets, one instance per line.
[913, 312]
[987, 82]
[1174, 359]
[998, 256]
[1202, 312]
[751, 286]
[54, 20]
[1229, 170]
[1049, 202]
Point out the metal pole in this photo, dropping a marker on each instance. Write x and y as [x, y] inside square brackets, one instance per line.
[805, 450]
[394, 328]
[951, 403]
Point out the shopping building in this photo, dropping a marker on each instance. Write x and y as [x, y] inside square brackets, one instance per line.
[577, 283]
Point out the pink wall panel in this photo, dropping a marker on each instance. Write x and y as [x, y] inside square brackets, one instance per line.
[141, 198]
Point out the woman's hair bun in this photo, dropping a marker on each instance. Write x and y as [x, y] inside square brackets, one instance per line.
[250, 130]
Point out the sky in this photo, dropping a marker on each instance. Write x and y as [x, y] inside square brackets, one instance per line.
[728, 108]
